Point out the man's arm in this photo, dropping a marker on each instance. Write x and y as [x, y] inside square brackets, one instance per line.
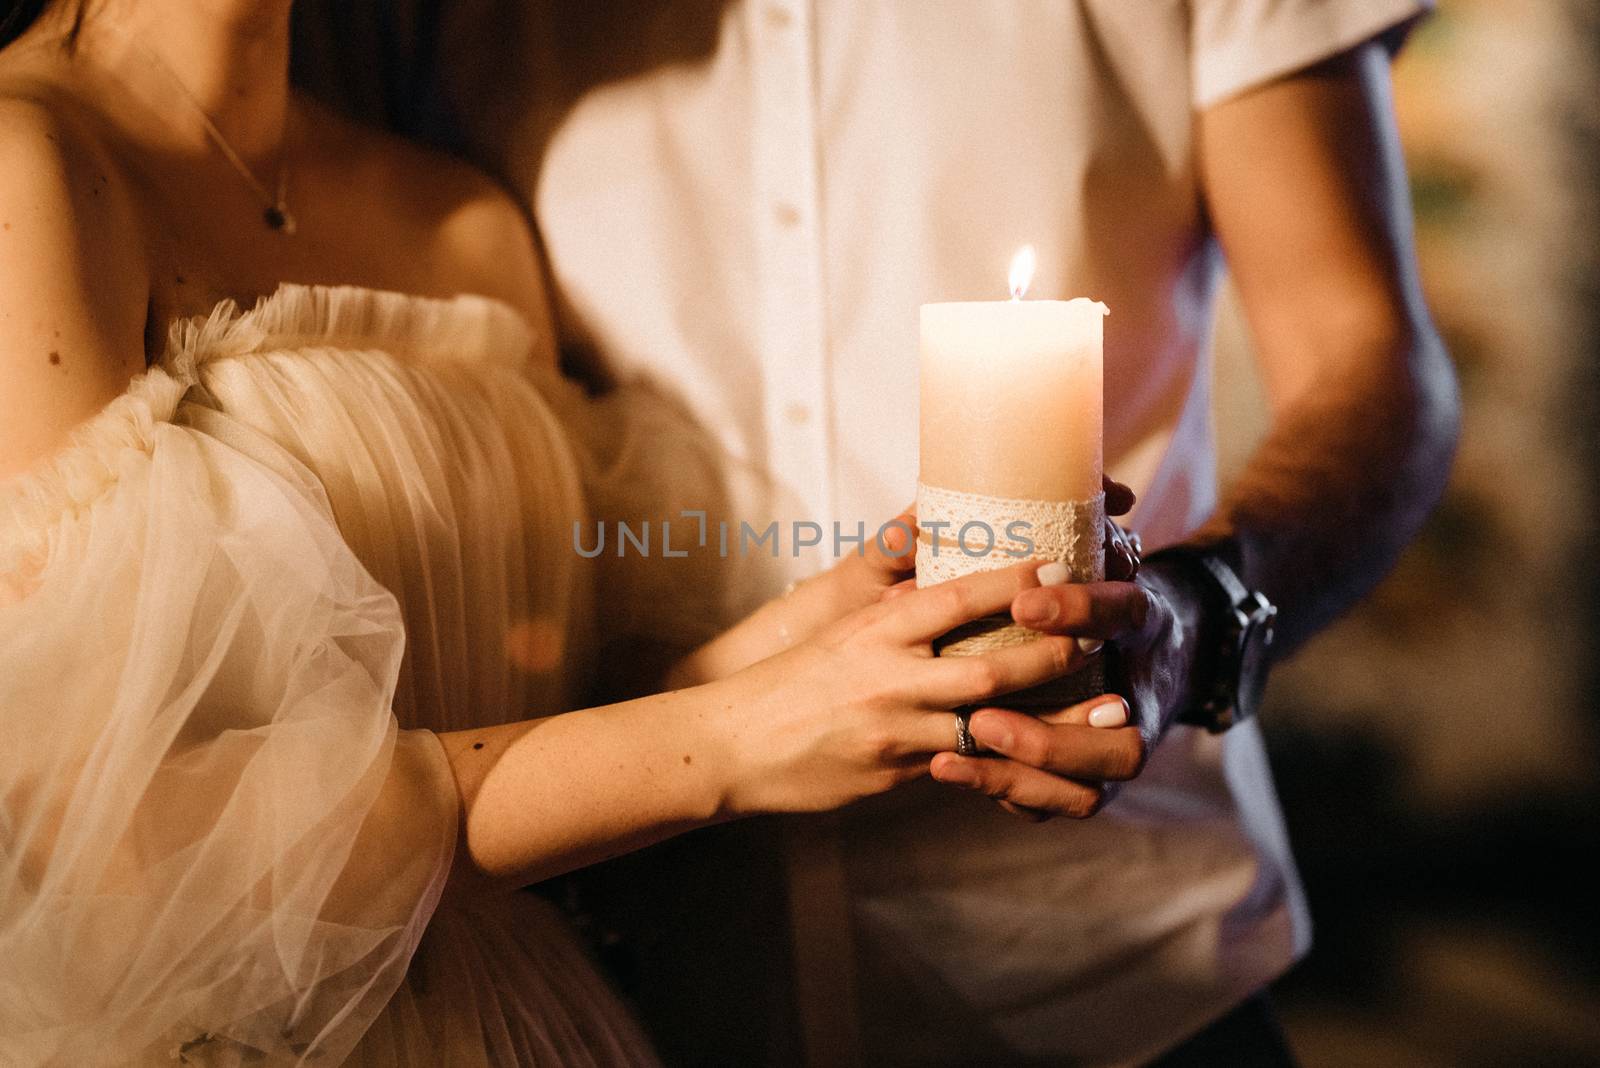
[1307, 193]
[1305, 188]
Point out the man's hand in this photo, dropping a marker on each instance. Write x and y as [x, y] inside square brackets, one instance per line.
[1069, 762]
[1122, 548]
[884, 565]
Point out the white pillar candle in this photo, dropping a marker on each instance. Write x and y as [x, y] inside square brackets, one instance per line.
[1011, 395]
[1011, 453]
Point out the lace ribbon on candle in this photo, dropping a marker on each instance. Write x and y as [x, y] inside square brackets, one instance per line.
[982, 533]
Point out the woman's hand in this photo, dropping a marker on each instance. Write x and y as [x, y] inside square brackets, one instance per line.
[803, 723]
[889, 568]
[858, 580]
[863, 705]
[884, 567]
[887, 560]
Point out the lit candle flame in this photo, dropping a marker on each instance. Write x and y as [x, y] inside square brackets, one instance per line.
[1021, 271]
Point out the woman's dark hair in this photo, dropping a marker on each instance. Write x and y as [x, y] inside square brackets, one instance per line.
[17, 15]
[370, 60]
[375, 62]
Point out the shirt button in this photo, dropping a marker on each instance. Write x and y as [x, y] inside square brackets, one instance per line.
[786, 213]
[778, 17]
[798, 414]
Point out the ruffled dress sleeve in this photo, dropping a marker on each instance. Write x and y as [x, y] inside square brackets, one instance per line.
[665, 500]
[216, 844]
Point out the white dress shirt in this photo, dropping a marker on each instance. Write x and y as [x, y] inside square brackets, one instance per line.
[748, 202]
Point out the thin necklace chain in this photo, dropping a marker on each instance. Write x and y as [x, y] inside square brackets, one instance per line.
[276, 213]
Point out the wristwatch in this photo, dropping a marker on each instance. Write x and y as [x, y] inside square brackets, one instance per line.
[1236, 632]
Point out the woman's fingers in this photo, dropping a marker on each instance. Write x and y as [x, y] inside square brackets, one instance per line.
[1077, 751]
[891, 553]
[967, 680]
[1032, 815]
[925, 614]
[885, 559]
[1101, 610]
[1020, 785]
[900, 588]
[1108, 710]
[917, 734]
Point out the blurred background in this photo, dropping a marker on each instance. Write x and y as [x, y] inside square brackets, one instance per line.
[1436, 751]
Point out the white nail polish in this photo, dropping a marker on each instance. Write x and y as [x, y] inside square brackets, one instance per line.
[1111, 714]
[1054, 573]
[1090, 646]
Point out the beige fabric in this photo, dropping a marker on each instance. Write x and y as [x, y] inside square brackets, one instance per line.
[233, 610]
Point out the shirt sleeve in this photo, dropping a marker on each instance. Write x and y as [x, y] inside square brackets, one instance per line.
[1240, 44]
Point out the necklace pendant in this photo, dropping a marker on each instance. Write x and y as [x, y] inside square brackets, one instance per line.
[277, 218]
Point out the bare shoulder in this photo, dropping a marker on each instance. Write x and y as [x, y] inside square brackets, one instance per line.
[484, 233]
[481, 238]
[47, 148]
[73, 277]
[67, 208]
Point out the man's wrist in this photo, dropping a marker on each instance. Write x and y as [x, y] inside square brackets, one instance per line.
[1178, 581]
[1230, 627]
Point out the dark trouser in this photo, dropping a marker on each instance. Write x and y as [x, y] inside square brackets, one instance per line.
[1247, 1037]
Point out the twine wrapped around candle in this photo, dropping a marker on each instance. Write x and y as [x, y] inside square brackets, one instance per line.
[960, 533]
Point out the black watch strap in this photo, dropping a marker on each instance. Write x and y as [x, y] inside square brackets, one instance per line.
[1230, 669]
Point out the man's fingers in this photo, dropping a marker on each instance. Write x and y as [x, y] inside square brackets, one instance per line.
[1018, 784]
[1119, 498]
[1075, 750]
[934, 610]
[1103, 610]
[1122, 559]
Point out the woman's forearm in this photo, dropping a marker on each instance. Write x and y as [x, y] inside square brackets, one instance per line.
[856, 581]
[812, 727]
[544, 796]
[769, 629]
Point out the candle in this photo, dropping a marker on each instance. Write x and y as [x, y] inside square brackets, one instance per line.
[1010, 456]
[1011, 394]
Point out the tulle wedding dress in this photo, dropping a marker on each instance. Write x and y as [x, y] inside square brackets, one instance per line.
[233, 611]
